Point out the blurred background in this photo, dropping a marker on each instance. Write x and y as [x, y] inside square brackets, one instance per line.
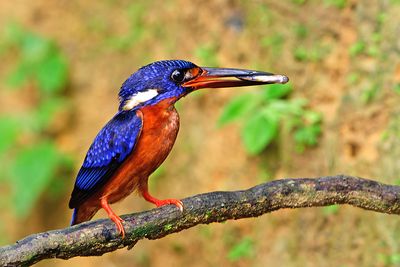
[63, 63]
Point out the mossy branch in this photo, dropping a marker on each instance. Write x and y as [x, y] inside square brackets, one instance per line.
[98, 237]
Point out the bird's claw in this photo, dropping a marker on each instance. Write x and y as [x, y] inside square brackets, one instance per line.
[160, 203]
[114, 217]
[172, 201]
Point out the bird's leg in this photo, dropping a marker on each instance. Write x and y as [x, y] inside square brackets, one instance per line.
[114, 217]
[143, 188]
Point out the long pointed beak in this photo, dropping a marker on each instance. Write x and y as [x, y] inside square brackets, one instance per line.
[227, 77]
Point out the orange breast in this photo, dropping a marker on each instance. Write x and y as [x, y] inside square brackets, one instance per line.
[159, 131]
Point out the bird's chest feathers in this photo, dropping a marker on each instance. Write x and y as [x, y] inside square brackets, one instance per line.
[159, 131]
[160, 118]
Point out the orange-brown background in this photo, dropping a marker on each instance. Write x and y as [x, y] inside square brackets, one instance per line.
[359, 137]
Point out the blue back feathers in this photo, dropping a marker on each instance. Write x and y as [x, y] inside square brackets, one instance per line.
[110, 148]
[114, 141]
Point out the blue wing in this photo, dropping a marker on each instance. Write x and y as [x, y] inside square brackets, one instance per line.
[110, 148]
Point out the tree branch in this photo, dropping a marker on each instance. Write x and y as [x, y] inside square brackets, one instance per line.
[98, 237]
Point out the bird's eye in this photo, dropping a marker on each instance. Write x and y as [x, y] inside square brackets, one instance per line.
[178, 76]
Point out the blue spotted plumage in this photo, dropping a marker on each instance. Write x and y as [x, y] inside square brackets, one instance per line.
[108, 151]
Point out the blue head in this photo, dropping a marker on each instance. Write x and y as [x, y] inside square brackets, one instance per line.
[172, 79]
[154, 83]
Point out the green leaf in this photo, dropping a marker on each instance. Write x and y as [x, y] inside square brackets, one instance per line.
[357, 48]
[19, 75]
[39, 60]
[299, 2]
[369, 93]
[51, 74]
[396, 88]
[13, 33]
[259, 131]
[47, 110]
[34, 47]
[301, 31]
[330, 210]
[244, 249]
[301, 54]
[275, 42]
[236, 108]
[340, 4]
[312, 117]
[307, 135]
[395, 258]
[353, 78]
[291, 108]
[32, 171]
[9, 129]
[277, 91]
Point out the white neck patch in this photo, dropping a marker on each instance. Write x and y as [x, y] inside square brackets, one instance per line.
[139, 98]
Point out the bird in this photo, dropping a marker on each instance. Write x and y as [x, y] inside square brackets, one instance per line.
[139, 137]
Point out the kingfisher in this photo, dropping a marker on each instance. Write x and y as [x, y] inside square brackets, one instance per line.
[134, 143]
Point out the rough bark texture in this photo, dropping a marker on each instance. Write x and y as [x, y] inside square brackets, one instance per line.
[98, 237]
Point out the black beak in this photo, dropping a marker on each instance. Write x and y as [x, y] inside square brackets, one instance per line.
[227, 77]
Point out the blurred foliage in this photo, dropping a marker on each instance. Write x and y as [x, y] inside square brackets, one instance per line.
[263, 114]
[317, 53]
[207, 54]
[397, 88]
[336, 3]
[340, 4]
[136, 16]
[330, 210]
[243, 249]
[30, 156]
[357, 48]
[390, 260]
[39, 60]
[299, 2]
[369, 93]
[274, 42]
[31, 172]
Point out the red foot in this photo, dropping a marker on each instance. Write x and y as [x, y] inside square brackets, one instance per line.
[114, 217]
[159, 202]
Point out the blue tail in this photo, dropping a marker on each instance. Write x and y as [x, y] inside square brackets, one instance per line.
[74, 214]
